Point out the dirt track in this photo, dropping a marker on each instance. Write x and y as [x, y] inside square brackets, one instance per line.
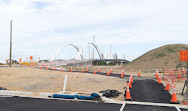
[36, 80]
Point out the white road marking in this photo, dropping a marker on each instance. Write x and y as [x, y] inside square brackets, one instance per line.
[106, 100]
[65, 83]
[122, 107]
[178, 108]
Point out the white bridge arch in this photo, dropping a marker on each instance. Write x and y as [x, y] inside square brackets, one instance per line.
[59, 50]
[96, 47]
[80, 51]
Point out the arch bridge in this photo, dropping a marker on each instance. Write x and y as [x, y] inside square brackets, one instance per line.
[80, 52]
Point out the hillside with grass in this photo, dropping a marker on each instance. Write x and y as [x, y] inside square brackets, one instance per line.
[163, 57]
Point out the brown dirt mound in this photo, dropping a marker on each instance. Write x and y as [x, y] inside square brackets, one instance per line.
[163, 57]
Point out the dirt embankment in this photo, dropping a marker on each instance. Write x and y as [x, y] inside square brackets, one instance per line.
[163, 57]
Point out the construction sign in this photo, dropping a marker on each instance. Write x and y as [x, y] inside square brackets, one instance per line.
[31, 58]
[20, 60]
[184, 55]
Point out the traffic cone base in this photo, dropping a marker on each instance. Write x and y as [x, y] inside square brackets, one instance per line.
[159, 80]
[128, 95]
[122, 75]
[174, 99]
[167, 87]
[179, 75]
[131, 79]
[108, 74]
[139, 74]
[99, 70]
[157, 76]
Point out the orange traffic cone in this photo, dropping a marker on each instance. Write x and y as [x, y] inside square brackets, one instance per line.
[111, 71]
[87, 69]
[94, 71]
[131, 78]
[167, 87]
[53, 68]
[159, 80]
[157, 76]
[130, 84]
[179, 74]
[170, 71]
[139, 73]
[71, 69]
[174, 98]
[108, 73]
[184, 71]
[122, 75]
[99, 69]
[40, 66]
[128, 95]
[61, 69]
[82, 70]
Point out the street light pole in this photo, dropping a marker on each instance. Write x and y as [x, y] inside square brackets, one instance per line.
[11, 43]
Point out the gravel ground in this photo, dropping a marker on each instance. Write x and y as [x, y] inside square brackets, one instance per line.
[36, 80]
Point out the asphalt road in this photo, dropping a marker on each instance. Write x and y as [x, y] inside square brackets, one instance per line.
[131, 107]
[149, 91]
[35, 104]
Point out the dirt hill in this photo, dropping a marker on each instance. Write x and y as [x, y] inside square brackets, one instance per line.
[163, 57]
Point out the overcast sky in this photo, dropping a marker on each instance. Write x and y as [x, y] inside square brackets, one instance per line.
[133, 27]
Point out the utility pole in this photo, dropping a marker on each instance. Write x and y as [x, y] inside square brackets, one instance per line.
[11, 43]
[93, 47]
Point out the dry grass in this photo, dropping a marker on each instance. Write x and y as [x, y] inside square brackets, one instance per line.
[163, 57]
